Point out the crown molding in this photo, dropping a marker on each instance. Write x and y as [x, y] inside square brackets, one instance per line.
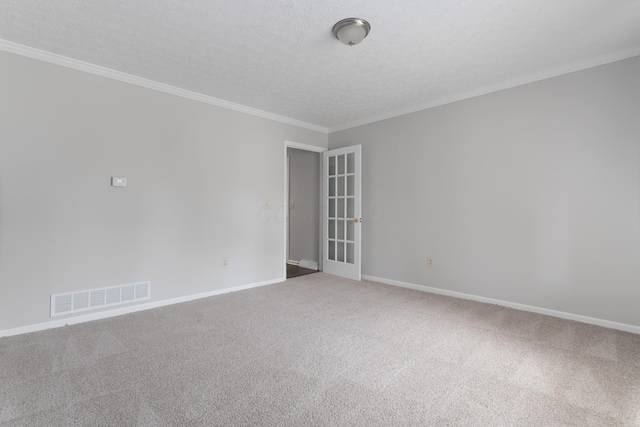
[67, 62]
[64, 61]
[531, 78]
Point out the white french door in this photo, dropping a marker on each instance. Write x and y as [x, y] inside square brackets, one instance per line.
[341, 211]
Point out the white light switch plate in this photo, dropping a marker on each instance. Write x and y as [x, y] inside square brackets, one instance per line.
[117, 181]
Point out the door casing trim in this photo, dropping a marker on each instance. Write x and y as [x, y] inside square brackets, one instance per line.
[304, 147]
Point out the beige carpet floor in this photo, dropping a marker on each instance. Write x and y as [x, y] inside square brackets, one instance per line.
[321, 351]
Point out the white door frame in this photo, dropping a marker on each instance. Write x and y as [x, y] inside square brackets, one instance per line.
[305, 147]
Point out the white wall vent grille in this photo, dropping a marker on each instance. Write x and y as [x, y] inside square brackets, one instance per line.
[74, 302]
[80, 301]
[127, 293]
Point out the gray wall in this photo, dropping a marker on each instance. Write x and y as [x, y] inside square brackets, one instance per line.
[529, 195]
[304, 194]
[199, 179]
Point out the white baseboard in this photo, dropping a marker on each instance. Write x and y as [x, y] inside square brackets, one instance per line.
[561, 314]
[310, 265]
[132, 309]
[293, 262]
[126, 310]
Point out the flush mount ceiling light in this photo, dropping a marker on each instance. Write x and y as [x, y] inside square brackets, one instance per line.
[351, 31]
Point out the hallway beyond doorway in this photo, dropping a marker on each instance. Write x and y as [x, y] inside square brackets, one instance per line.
[295, 271]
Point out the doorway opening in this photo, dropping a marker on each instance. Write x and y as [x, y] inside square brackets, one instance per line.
[303, 208]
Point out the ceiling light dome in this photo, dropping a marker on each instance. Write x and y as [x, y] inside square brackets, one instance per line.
[351, 31]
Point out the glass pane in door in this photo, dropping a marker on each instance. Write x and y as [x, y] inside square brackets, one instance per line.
[351, 183]
[351, 163]
[350, 235]
[341, 230]
[341, 186]
[340, 213]
[332, 187]
[350, 211]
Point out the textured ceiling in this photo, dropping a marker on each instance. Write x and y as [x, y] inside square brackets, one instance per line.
[281, 57]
